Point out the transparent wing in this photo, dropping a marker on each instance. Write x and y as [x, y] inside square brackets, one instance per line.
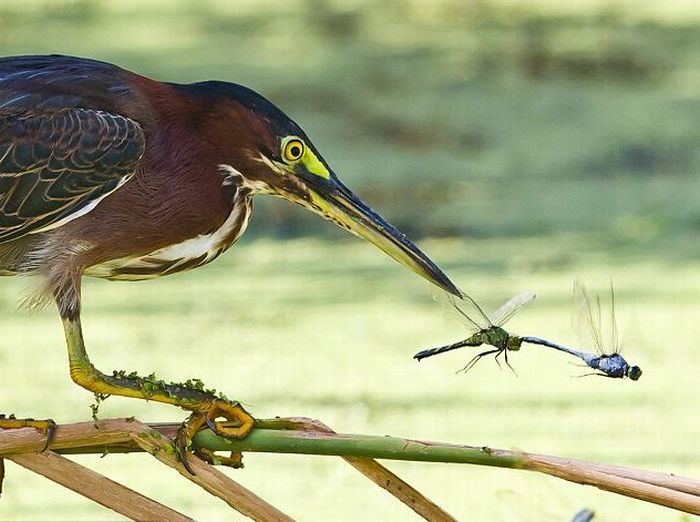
[614, 334]
[467, 312]
[511, 307]
[476, 306]
[587, 316]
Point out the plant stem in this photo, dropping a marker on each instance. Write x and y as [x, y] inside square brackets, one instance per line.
[367, 446]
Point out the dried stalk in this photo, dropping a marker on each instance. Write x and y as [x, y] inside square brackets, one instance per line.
[579, 472]
[105, 435]
[664, 480]
[96, 487]
[209, 478]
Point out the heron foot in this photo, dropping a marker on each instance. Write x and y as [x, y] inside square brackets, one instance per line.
[45, 426]
[207, 416]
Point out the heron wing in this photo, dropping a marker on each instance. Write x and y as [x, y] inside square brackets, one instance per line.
[58, 164]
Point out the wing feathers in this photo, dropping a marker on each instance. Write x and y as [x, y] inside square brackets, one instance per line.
[53, 164]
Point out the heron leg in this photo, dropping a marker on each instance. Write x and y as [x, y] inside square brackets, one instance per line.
[206, 407]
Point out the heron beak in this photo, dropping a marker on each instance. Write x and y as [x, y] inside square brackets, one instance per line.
[337, 203]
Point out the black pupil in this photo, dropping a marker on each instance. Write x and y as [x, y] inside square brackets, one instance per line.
[295, 151]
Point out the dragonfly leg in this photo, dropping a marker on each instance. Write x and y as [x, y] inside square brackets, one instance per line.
[505, 356]
[476, 359]
[500, 351]
[594, 373]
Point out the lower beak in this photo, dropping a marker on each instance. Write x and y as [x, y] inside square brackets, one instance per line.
[343, 207]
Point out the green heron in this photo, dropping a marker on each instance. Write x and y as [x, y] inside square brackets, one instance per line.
[110, 174]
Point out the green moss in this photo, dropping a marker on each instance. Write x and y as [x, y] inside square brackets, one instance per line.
[193, 384]
[121, 374]
[151, 384]
[95, 407]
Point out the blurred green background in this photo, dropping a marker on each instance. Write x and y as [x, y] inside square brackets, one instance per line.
[522, 143]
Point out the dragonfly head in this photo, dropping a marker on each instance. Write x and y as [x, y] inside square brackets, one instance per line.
[633, 372]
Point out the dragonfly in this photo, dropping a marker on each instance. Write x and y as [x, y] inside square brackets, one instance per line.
[490, 331]
[486, 330]
[607, 363]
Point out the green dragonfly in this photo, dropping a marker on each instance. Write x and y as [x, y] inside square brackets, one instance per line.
[485, 330]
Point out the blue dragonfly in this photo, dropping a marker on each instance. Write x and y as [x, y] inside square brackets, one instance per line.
[607, 360]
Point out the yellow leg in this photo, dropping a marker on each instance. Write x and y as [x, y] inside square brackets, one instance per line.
[204, 404]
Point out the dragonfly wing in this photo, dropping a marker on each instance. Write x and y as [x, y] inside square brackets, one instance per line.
[587, 316]
[476, 307]
[463, 313]
[512, 307]
[614, 335]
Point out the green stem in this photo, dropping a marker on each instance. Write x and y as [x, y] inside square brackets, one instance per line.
[367, 446]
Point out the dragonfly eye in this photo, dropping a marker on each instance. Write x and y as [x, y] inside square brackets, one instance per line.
[634, 372]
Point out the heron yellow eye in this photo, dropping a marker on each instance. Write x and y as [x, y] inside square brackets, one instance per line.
[293, 150]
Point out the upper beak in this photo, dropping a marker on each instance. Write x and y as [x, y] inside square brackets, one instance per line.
[339, 204]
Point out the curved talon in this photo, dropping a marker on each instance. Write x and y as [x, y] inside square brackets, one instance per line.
[211, 423]
[181, 447]
[235, 460]
[206, 417]
[50, 432]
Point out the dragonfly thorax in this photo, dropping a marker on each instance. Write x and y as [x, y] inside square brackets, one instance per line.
[613, 365]
[499, 338]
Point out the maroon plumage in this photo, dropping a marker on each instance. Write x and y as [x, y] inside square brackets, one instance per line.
[73, 131]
